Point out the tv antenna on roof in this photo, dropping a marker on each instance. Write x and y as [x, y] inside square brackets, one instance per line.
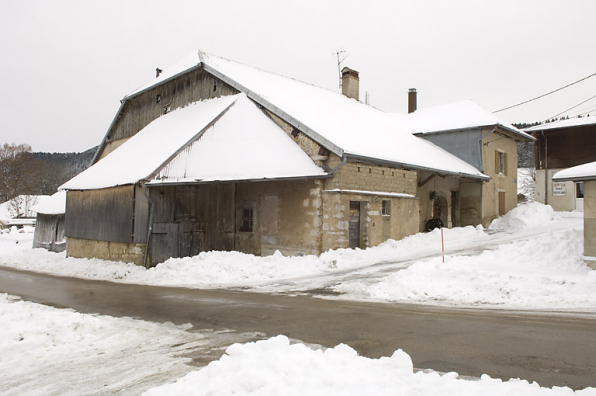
[339, 61]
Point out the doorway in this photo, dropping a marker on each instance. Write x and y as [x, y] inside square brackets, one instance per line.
[502, 203]
[354, 226]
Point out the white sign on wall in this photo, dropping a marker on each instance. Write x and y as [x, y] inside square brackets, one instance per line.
[558, 188]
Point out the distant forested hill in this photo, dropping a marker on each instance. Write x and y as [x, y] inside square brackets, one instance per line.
[53, 169]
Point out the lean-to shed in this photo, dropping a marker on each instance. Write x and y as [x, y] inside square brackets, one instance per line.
[49, 228]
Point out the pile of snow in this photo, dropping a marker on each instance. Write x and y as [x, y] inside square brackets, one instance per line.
[546, 273]
[527, 215]
[274, 367]
[60, 351]
[228, 269]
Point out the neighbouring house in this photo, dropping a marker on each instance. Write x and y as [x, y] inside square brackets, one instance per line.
[585, 174]
[49, 227]
[216, 155]
[17, 211]
[476, 136]
[560, 145]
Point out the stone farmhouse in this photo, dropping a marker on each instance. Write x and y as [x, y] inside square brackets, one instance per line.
[216, 155]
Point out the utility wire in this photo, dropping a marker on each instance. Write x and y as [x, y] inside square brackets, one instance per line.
[563, 112]
[542, 96]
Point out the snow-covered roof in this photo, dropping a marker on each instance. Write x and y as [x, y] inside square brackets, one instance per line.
[341, 124]
[213, 140]
[55, 204]
[455, 116]
[577, 173]
[560, 124]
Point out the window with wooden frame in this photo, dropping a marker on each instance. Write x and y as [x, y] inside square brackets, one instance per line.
[386, 208]
[247, 220]
[500, 162]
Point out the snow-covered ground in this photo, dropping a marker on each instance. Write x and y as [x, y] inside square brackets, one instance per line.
[50, 351]
[528, 259]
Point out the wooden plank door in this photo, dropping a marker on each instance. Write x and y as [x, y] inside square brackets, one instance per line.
[501, 203]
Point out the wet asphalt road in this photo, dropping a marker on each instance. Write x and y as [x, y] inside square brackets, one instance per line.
[552, 349]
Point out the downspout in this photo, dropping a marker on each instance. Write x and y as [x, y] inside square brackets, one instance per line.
[343, 162]
[480, 148]
[545, 169]
[150, 229]
[344, 159]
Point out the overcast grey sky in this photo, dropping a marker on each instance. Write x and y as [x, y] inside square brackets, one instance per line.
[66, 64]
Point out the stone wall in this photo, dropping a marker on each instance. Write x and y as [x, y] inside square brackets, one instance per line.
[367, 177]
[286, 215]
[105, 250]
[375, 227]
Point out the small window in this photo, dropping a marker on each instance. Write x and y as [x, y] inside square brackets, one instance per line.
[157, 98]
[166, 108]
[295, 132]
[500, 163]
[323, 152]
[386, 208]
[247, 220]
[579, 190]
[215, 86]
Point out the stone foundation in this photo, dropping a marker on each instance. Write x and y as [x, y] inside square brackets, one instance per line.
[105, 250]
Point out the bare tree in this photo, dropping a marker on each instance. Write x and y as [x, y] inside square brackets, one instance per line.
[15, 171]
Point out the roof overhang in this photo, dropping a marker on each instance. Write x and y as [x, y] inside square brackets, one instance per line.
[516, 135]
[165, 183]
[394, 164]
[574, 179]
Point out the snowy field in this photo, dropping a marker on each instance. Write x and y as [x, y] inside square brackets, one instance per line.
[529, 259]
[50, 351]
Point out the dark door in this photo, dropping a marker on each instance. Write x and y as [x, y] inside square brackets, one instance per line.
[354, 228]
[501, 203]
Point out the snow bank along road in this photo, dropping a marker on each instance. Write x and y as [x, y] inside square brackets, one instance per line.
[548, 348]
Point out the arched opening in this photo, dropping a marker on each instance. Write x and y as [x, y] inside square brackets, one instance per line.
[439, 212]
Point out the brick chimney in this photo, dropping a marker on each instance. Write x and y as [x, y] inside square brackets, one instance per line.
[412, 100]
[350, 83]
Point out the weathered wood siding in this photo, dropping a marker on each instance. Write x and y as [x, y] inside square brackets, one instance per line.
[191, 219]
[566, 147]
[139, 111]
[49, 232]
[105, 215]
[141, 216]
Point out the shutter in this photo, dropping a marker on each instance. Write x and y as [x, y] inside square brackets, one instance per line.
[505, 160]
[496, 162]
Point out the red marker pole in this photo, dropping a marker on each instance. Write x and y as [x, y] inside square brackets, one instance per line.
[442, 245]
